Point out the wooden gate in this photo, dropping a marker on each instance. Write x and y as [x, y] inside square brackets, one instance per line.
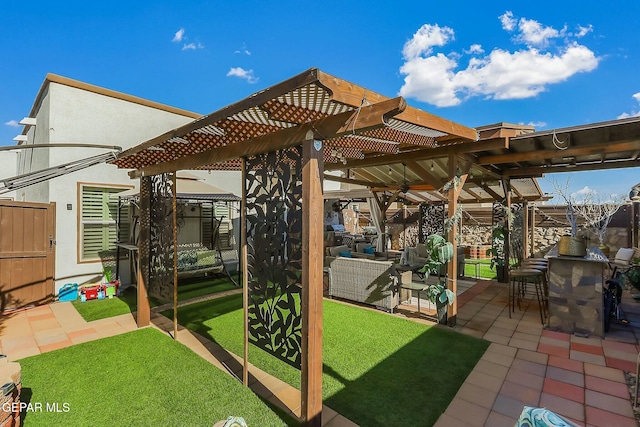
[27, 253]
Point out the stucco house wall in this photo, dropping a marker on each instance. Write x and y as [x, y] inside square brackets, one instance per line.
[68, 111]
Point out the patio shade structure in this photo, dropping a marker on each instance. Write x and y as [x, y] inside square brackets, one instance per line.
[281, 138]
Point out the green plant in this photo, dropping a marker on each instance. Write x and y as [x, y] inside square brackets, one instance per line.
[496, 251]
[440, 252]
[106, 271]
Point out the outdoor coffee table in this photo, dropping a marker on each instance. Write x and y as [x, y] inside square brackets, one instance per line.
[419, 287]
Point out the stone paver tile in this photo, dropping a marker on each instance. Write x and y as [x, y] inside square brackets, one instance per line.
[598, 418]
[529, 380]
[477, 395]
[36, 311]
[500, 359]
[86, 338]
[327, 414]
[44, 316]
[290, 397]
[472, 332]
[484, 381]
[553, 350]
[623, 365]
[43, 325]
[565, 376]
[499, 339]
[586, 348]
[508, 406]
[534, 329]
[55, 346]
[502, 349]
[562, 336]
[564, 407]
[565, 390]
[446, 420]
[51, 339]
[519, 343]
[521, 392]
[500, 331]
[497, 419]
[532, 356]
[619, 346]
[490, 368]
[568, 364]
[526, 337]
[81, 332]
[587, 357]
[622, 355]
[555, 342]
[601, 385]
[529, 367]
[468, 412]
[608, 403]
[587, 340]
[604, 372]
[16, 355]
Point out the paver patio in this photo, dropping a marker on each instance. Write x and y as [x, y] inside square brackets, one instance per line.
[580, 378]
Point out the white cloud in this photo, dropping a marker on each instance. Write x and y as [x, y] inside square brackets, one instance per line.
[243, 74]
[532, 33]
[583, 31]
[425, 39]
[12, 123]
[243, 51]
[189, 46]
[583, 193]
[633, 113]
[501, 74]
[537, 125]
[508, 21]
[474, 49]
[177, 38]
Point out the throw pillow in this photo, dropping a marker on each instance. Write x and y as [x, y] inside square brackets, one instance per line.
[345, 254]
[369, 250]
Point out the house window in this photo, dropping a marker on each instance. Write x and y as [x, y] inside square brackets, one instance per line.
[221, 210]
[99, 222]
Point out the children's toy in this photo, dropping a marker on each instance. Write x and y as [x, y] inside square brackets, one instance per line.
[90, 292]
[69, 292]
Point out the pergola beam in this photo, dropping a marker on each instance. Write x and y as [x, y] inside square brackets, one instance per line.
[539, 171]
[353, 181]
[425, 154]
[370, 117]
[558, 154]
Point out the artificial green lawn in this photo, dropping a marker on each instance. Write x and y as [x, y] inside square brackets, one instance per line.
[378, 369]
[486, 272]
[126, 302]
[142, 378]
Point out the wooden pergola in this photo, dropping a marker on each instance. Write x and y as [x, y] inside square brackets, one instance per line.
[288, 135]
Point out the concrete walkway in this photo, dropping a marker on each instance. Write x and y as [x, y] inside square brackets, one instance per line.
[579, 378]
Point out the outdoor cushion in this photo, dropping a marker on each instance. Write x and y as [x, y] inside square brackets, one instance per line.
[421, 250]
[345, 254]
[206, 258]
[335, 250]
[369, 250]
[624, 255]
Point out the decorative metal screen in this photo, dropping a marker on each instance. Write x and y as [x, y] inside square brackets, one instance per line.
[498, 219]
[516, 230]
[273, 189]
[160, 284]
[431, 220]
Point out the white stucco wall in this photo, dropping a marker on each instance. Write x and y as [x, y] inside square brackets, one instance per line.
[72, 115]
[8, 169]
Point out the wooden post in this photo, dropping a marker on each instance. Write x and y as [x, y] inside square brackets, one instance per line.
[312, 261]
[143, 314]
[452, 268]
[245, 275]
[506, 186]
[174, 205]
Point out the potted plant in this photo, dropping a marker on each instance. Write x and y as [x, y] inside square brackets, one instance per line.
[496, 252]
[597, 212]
[440, 252]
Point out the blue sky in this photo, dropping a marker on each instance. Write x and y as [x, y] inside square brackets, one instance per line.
[549, 64]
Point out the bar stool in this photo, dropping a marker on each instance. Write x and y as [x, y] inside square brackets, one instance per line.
[519, 278]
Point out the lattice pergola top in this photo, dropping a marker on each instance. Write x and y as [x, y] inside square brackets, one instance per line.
[353, 122]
